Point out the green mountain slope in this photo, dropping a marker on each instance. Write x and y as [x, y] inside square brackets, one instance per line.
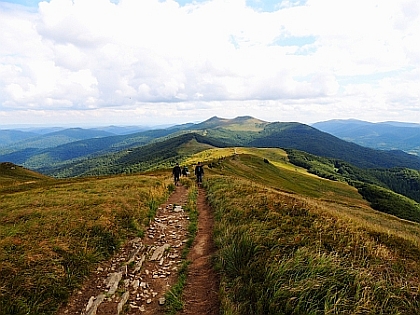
[148, 157]
[241, 123]
[394, 191]
[255, 133]
[311, 140]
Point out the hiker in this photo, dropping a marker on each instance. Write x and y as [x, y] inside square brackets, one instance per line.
[199, 172]
[185, 171]
[176, 171]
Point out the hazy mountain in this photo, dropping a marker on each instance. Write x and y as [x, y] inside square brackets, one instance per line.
[54, 139]
[35, 158]
[38, 130]
[8, 137]
[383, 136]
[123, 130]
[311, 140]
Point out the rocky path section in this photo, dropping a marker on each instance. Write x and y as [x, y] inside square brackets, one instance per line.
[137, 278]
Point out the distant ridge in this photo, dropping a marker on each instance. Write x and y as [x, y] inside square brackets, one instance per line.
[384, 136]
[217, 122]
[56, 138]
[8, 137]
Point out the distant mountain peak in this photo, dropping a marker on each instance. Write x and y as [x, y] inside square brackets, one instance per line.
[217, 122]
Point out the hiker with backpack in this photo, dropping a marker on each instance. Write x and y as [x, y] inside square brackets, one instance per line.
[176, 172]
[199, 172]
[185, 171]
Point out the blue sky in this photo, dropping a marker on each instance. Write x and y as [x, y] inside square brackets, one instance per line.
[29, 3]
[257, 4]
[156, 62]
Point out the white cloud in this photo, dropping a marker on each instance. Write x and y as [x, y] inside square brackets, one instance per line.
[148, 56]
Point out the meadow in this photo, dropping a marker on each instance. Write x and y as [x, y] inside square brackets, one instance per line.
[54, 232]
[288, 248]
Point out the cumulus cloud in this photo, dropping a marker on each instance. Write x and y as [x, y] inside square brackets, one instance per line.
[144, 55]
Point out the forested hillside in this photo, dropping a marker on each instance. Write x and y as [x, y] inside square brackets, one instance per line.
[311, 140]
[394, 191]
[144, 158]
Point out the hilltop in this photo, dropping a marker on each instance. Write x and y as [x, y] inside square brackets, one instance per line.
[14, 177]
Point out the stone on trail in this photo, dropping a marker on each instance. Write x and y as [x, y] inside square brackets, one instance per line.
[121, 304]
[93, 304]
[158, 253]
[177, 209]
[112, 282]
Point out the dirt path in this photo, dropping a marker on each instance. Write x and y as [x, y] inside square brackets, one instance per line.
[201, 291]
[137, 278]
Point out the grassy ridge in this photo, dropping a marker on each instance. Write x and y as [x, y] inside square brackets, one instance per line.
[51, 236]
[289, 241]
[13, 177]
[302, 253]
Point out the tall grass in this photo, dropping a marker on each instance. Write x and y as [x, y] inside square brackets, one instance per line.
[278, 255]
[53, 235]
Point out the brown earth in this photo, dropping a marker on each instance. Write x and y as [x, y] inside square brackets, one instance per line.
[141, 283]
[201, 293]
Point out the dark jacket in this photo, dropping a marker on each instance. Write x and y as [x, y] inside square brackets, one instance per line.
[176, 171]
[199, 170]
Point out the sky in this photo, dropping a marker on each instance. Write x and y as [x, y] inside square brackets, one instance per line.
[155, 62]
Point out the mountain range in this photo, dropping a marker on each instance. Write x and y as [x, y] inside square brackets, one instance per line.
[389, 135]
[51, 153]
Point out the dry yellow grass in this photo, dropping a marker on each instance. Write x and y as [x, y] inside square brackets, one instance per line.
[52, 235]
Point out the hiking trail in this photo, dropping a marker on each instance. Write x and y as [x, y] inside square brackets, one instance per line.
[136, 278]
